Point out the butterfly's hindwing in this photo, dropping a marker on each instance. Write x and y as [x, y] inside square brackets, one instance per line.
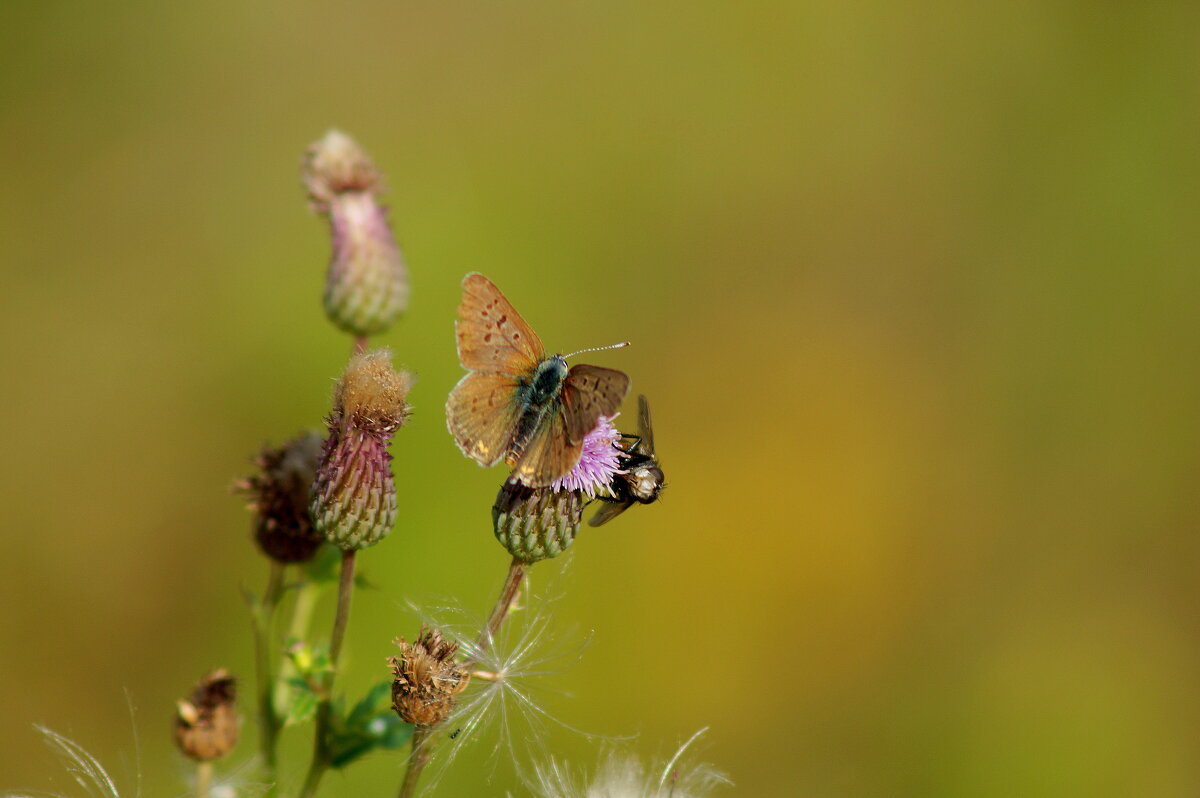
[549, 453]
[481, 414]
[591, 392]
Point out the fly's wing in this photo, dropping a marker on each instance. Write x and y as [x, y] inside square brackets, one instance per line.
[492, 336]
[481, 414]
[645, 431]
[588, 393]
[550, 454]
[608, 511]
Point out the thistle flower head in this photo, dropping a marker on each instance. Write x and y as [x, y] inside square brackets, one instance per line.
[206, 724]
[279, 496]
[598, 463]
[354, 493]
[624, 777]
[426, 678]
[536, 523]
[366, 288]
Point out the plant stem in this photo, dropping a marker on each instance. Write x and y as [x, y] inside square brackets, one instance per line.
[360, 345]
[321, 753]
[204, 772]
[302, 610]
[268, 720]
[516, 574]
[418, 756]
[422, 742]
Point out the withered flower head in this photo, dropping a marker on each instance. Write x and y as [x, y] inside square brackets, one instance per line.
[366, 288]
[206, 725]
[279, 497]
[536, 523]
[354, 493]
[426, 678]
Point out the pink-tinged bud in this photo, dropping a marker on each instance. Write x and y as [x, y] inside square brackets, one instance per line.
[366, 288]
[354, 494]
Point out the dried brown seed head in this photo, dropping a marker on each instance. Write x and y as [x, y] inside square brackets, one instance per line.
[206, 724]
[426, 678]
[280, 495]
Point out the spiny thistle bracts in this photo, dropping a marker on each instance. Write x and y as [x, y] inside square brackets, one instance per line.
[354, 493]
[366, 288]
[536, 523]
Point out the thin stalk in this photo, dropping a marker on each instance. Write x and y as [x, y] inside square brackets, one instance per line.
[360, 345]
[321, 753]
[422, 743]
[516, 574]
[268, 720]
[204, 772]
[302, 611]
[418, 756]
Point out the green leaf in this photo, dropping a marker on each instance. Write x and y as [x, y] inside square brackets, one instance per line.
[303, 706]
[370, 724]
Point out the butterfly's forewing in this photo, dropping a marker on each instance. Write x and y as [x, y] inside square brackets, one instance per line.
[481, 414]
[607, 512]
[645, 430]
[550, 453]
[588, 393]
[492, 336]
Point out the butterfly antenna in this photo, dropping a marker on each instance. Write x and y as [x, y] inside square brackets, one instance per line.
[621, 345]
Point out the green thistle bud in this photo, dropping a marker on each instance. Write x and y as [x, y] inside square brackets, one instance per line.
[366, 288]
[279, 497]
[206, 724]
[536, 523]
[354, 494]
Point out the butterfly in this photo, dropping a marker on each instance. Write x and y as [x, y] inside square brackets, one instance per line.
[640, 479]
[519, 404]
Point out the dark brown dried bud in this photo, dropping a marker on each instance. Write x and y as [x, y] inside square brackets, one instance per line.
[426, 678]
[536, 523]
[206, 725]
[280, 495]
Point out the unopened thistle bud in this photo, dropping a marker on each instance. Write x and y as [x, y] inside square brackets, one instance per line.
[536, 523]
[206, 724]
[366, 288]
[279, 497]
[426, 678]
[354, 494]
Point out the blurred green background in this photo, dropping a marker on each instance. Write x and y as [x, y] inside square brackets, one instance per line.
[912, 290]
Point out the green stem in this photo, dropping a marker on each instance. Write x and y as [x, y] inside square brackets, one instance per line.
[422, 742]
[302, 611]
[516, 574]
[321, 753]
[268, 719]
[418, 756]
[204, 771]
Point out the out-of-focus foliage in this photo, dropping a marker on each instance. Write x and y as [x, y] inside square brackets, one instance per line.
[912, 291]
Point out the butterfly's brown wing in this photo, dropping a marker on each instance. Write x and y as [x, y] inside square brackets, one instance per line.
[608, 511]
[588, 393]
[549, 454]
[481, 414]
[492, 336]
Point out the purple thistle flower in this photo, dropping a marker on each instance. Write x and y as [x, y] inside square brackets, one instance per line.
[597, 464]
